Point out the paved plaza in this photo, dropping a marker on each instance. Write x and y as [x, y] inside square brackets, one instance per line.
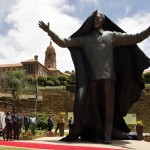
[120, 144]
[116, 144]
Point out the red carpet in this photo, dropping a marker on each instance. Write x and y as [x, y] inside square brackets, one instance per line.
[49, 146]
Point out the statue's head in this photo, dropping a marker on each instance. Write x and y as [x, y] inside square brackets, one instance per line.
[95, 21]
[98, 20]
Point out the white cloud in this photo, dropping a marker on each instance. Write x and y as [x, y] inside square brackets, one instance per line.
[136, 24]
[26, 39]
[89, 2]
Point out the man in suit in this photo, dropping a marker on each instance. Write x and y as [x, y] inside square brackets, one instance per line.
[50, 123]
[26, 122]
[70, 125]
[16, 125]
[9, 126]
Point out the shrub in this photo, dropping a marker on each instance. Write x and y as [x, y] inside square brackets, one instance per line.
[41, 121]
[63, 82]
[71, 88]
[73, 83]
[63, 78]
[56, 88]
[51, 78]
[42, 80]
[50, 83]
[146, 77]
[72, 77]
[30, 79]
[33, 128]
[55, 80]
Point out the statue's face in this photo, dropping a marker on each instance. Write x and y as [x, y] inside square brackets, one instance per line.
[98, 21]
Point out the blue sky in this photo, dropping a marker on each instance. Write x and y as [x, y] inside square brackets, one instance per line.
[21, 38]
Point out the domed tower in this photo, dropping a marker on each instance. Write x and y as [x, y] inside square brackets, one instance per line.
[50, 57]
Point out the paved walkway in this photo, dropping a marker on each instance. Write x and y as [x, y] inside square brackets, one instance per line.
[120, 144]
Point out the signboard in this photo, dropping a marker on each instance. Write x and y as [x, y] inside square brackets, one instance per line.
[130, 119]
[70, 114]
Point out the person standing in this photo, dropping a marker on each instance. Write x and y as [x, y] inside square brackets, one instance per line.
[57, 126]
[70, 124]
[9, 126]
[16, 126]
[26, 122]
[21, 120]
[50, 123]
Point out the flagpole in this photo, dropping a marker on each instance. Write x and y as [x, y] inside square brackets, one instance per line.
[36, 95]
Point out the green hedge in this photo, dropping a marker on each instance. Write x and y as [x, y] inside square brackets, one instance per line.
[146, 77]
[72, 83]
[63, 78]
[55, 80]
[71, 88]
[49, 83]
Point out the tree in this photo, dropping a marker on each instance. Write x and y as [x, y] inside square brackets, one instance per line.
[16, 82]
[72, 77]
[72, 83]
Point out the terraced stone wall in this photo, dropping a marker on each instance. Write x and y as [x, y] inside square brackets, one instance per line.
[53, 102]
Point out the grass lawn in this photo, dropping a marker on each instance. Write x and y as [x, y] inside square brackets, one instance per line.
[14, 148]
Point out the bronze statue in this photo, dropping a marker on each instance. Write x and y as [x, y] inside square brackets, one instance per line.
[109, 67]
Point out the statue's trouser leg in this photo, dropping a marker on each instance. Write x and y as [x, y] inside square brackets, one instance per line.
[107, 89]
[102, 105]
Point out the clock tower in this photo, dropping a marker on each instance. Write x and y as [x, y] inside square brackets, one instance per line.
[50, 57]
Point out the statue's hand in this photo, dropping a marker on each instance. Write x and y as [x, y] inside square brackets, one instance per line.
[43, 26]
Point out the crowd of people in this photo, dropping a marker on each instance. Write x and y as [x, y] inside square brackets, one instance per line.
[13, 125]
[51, 125]
[15, 122]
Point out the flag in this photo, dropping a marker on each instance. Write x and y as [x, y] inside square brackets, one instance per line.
[36, 93]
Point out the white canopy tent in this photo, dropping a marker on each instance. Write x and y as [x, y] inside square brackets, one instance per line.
[2, 120]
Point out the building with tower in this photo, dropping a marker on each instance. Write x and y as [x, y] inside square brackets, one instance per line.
[34, 67]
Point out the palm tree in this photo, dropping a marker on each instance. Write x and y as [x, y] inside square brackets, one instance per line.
[16, 82]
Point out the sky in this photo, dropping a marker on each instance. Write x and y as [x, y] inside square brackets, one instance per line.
[21, 38]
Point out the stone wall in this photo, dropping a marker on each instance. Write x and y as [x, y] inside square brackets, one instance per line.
[53, 102]
[142, 109]
[49, 102]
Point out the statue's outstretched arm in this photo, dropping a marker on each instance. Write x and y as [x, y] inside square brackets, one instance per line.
[62, 42]
[123, 39]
